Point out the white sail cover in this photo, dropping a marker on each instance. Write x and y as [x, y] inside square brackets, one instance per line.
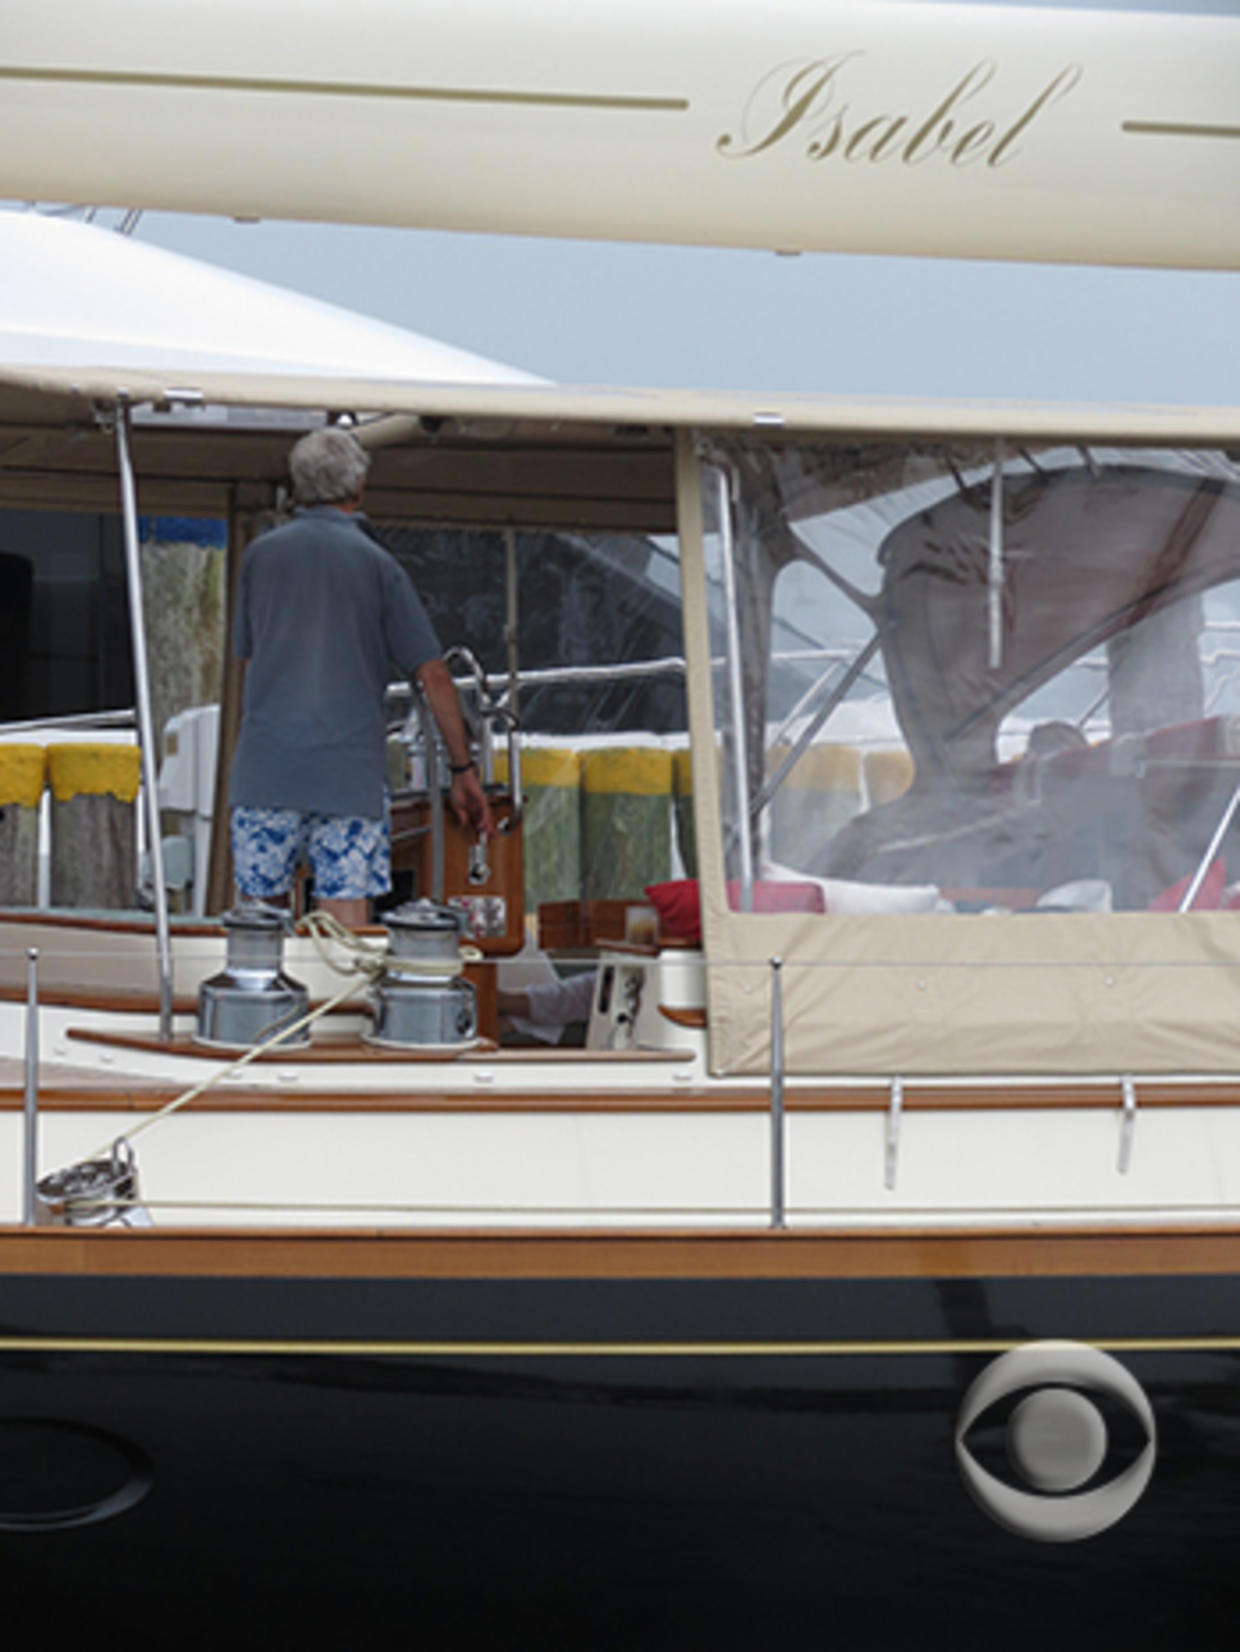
[80, 296]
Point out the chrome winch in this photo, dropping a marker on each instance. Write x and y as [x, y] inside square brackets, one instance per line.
[252, 998]
[92, 1193]
[422, 999]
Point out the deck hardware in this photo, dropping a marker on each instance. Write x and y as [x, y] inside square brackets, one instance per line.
[894, 1114]
[778, 1216]
[490, 719]
[251, 997]
[94, 1193]
[1128, 1123]
[422, 999]
[630, 985]
[31, 1128]
[479, 870]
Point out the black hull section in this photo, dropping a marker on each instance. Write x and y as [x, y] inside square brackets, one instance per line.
[597, 1464]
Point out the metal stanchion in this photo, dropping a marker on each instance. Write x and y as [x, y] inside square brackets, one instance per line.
[146, 724]
[777, 1094]
[31, 1136]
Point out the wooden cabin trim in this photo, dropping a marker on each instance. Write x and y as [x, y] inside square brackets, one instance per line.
[107, 1003]
[113, 1092]
[335, 1048]
[350, 1048]
[142, 1096]
[137, 1002]
[144, 926]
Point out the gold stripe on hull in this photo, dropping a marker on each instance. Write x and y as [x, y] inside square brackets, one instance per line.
[380, 1349]
[138, 81]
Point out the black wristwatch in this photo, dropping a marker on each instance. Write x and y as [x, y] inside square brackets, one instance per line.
[461, 768]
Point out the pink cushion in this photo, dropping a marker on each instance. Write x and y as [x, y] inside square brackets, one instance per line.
[1209, 896]
[679, 905]
[777, 896]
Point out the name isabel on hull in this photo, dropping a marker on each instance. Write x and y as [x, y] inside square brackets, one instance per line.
[815, 105]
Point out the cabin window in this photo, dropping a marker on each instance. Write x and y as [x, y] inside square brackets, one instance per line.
[975, 676]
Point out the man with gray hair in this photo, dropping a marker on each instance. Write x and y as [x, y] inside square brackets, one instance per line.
[324, 618]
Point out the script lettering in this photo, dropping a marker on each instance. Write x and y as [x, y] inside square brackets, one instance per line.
[981, 74]
[814, 104]
[1062, 84]
[803, 93]
[890, 126]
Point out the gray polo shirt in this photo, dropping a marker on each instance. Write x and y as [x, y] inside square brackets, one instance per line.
[326, 618]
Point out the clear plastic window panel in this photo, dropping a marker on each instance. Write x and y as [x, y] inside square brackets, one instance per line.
[975, 676]
[600, 697]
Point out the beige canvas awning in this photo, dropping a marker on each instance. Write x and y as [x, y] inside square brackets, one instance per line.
[539, 455]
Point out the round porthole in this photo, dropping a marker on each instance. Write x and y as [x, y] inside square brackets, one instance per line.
[55, 1475]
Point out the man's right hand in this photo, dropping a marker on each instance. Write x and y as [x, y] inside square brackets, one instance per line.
[470, 804]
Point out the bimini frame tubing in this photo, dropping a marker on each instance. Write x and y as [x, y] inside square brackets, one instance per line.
[146, 723]
[724, 496]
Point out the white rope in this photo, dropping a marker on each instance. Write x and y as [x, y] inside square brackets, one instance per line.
[364, 962]
[269, 1043]
[325, 931]
[361, 956]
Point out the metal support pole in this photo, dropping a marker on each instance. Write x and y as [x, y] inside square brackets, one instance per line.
[736, 693]
[434, 795]
[777, 1094]
[511, 622]
[773, 782]
[30, 1160]
[511, 639]
[146, 724]
[895, 1112]
[1212, 848]
[995, 580]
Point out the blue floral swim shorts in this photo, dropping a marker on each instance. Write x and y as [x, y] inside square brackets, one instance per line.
[350, 857]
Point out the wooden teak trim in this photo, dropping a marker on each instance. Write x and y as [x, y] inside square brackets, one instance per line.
[1148, 1250]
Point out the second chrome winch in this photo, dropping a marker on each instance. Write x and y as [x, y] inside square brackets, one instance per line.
[422, 999]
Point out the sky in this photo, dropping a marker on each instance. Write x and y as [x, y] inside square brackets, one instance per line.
[593, 312]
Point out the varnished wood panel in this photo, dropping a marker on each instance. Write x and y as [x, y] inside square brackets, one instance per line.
[333, 1048]
[120, 924]
[698, 1097]
[1147, 1250]
[109, 1003]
